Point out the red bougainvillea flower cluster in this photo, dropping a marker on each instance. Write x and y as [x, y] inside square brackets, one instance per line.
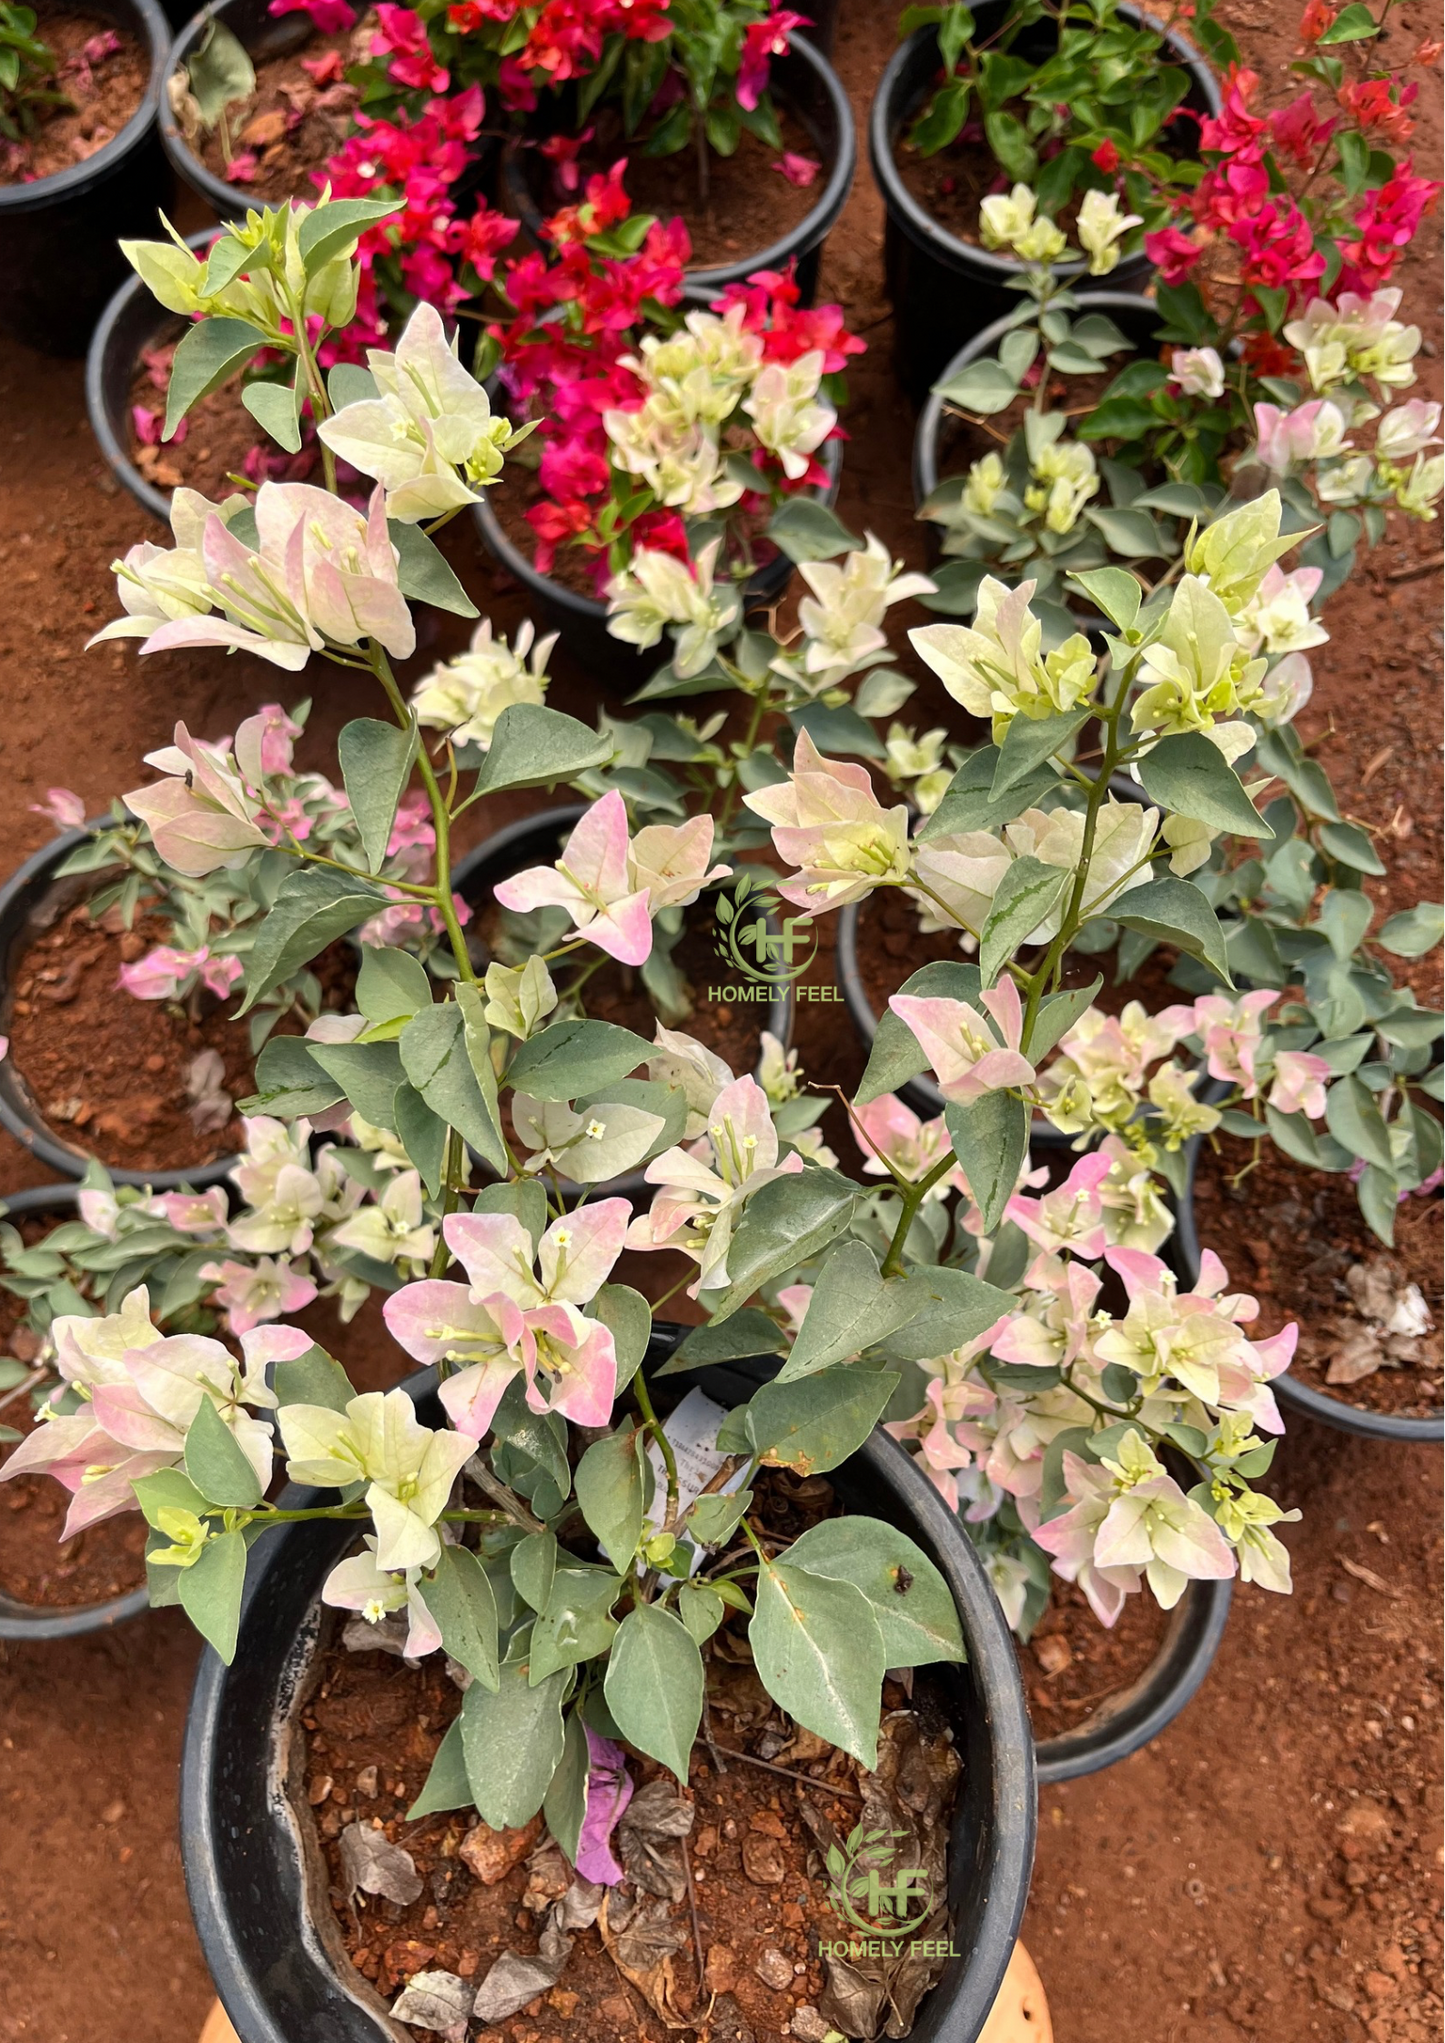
[585, 346]
[1288, 243]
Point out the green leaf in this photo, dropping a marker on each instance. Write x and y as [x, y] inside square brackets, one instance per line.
[1029, 742]
[273, 406]
[984, 387]
[1293, 1135]
[216, 1464]
[311, 909]
[434, 1057]
[910, 1600]
[368, 1073]
[815, 1423]
[565, 1803]
[1378, 1195]
[1132, 533]
[210, 1589]
[1351, 846]
[957, 1307]
[349, 383]
[391, 985]
[1174, 911]
[477, 1041]
[447, 1786]
[1191, 777]
[897, 1055]
[969, 802]
[612, 1482]
[804, 529]
[851, 1308]
[512, 1743]
[459, 1596]
[1414, 931]
[1344, 917]
[701, 1609]
[314, 1378]
[784, 1224]
[577, 1624]
[423, 1135]
[1026, 895]
[654, 1685]
[334, 229]
[1056, 1016]
[990, 1137]
[219, 73]
[289, 1081]
[819, 1652]
[1353, 1119]
[1113, 591]
[745, 1333]
[207, 355]
[376, 762]
[712, 1520]
[533, 1567]
[628, 1316]
[167, 1490]
[423, 571]
[1351, 25]
[536, 747]
[573, 1058]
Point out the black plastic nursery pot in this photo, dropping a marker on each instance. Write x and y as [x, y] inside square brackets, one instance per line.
[582, 619]
[263, 35]
[944, 288]
[254, 1875]
[1302, 1398]
[1132, 1717]
[29, 901]
[1136, 317]
[37, 1621]
[806, 83]
[132, 321]
[59, 259]
[536, 840]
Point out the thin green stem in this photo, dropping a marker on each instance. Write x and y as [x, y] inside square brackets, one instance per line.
[441, 820]
[664, 1445]
[913, 1198]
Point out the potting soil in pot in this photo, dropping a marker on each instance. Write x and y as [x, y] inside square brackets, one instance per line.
[725, 1901]
[139, 1083]
[213, 443]
[102, 72]
[103, 1561]
[1369, 1316]
[298, 116]
[749, 206]
[1072, 1664]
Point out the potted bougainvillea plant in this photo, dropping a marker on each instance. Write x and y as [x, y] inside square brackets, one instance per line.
[630, 1566]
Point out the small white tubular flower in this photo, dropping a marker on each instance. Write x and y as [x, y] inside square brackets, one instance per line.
[842, 618]
[789, 418]
[465, 696]
[1101, 227]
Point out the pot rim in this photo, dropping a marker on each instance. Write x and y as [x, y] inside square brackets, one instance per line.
[20, 1620]
[79, 178]
[98, 361]
[1303, 1397]
[30, 882]
[885, 123]
[1001, 1714]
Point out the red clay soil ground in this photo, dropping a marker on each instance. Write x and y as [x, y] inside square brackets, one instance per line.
[1269, 1868]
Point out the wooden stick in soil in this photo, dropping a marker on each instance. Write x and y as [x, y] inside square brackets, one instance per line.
[789, 1773]
[692, 1910]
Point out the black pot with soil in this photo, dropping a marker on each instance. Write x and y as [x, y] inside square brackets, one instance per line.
[581, 618]
[267, 39]
[256, 1879]
[807, 91]
[536, 840]
[943, 287]
[86, 1588]
[1130, 1717]
[1315, 1290]
[59, 258]
[934, 453]
[132, 323]
[68, 1028]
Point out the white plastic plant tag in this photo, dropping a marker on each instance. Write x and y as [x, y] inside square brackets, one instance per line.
[692, 1430]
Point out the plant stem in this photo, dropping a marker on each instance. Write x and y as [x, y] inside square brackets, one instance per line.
[913, 1198]
[441, 821]
[664, 1446]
